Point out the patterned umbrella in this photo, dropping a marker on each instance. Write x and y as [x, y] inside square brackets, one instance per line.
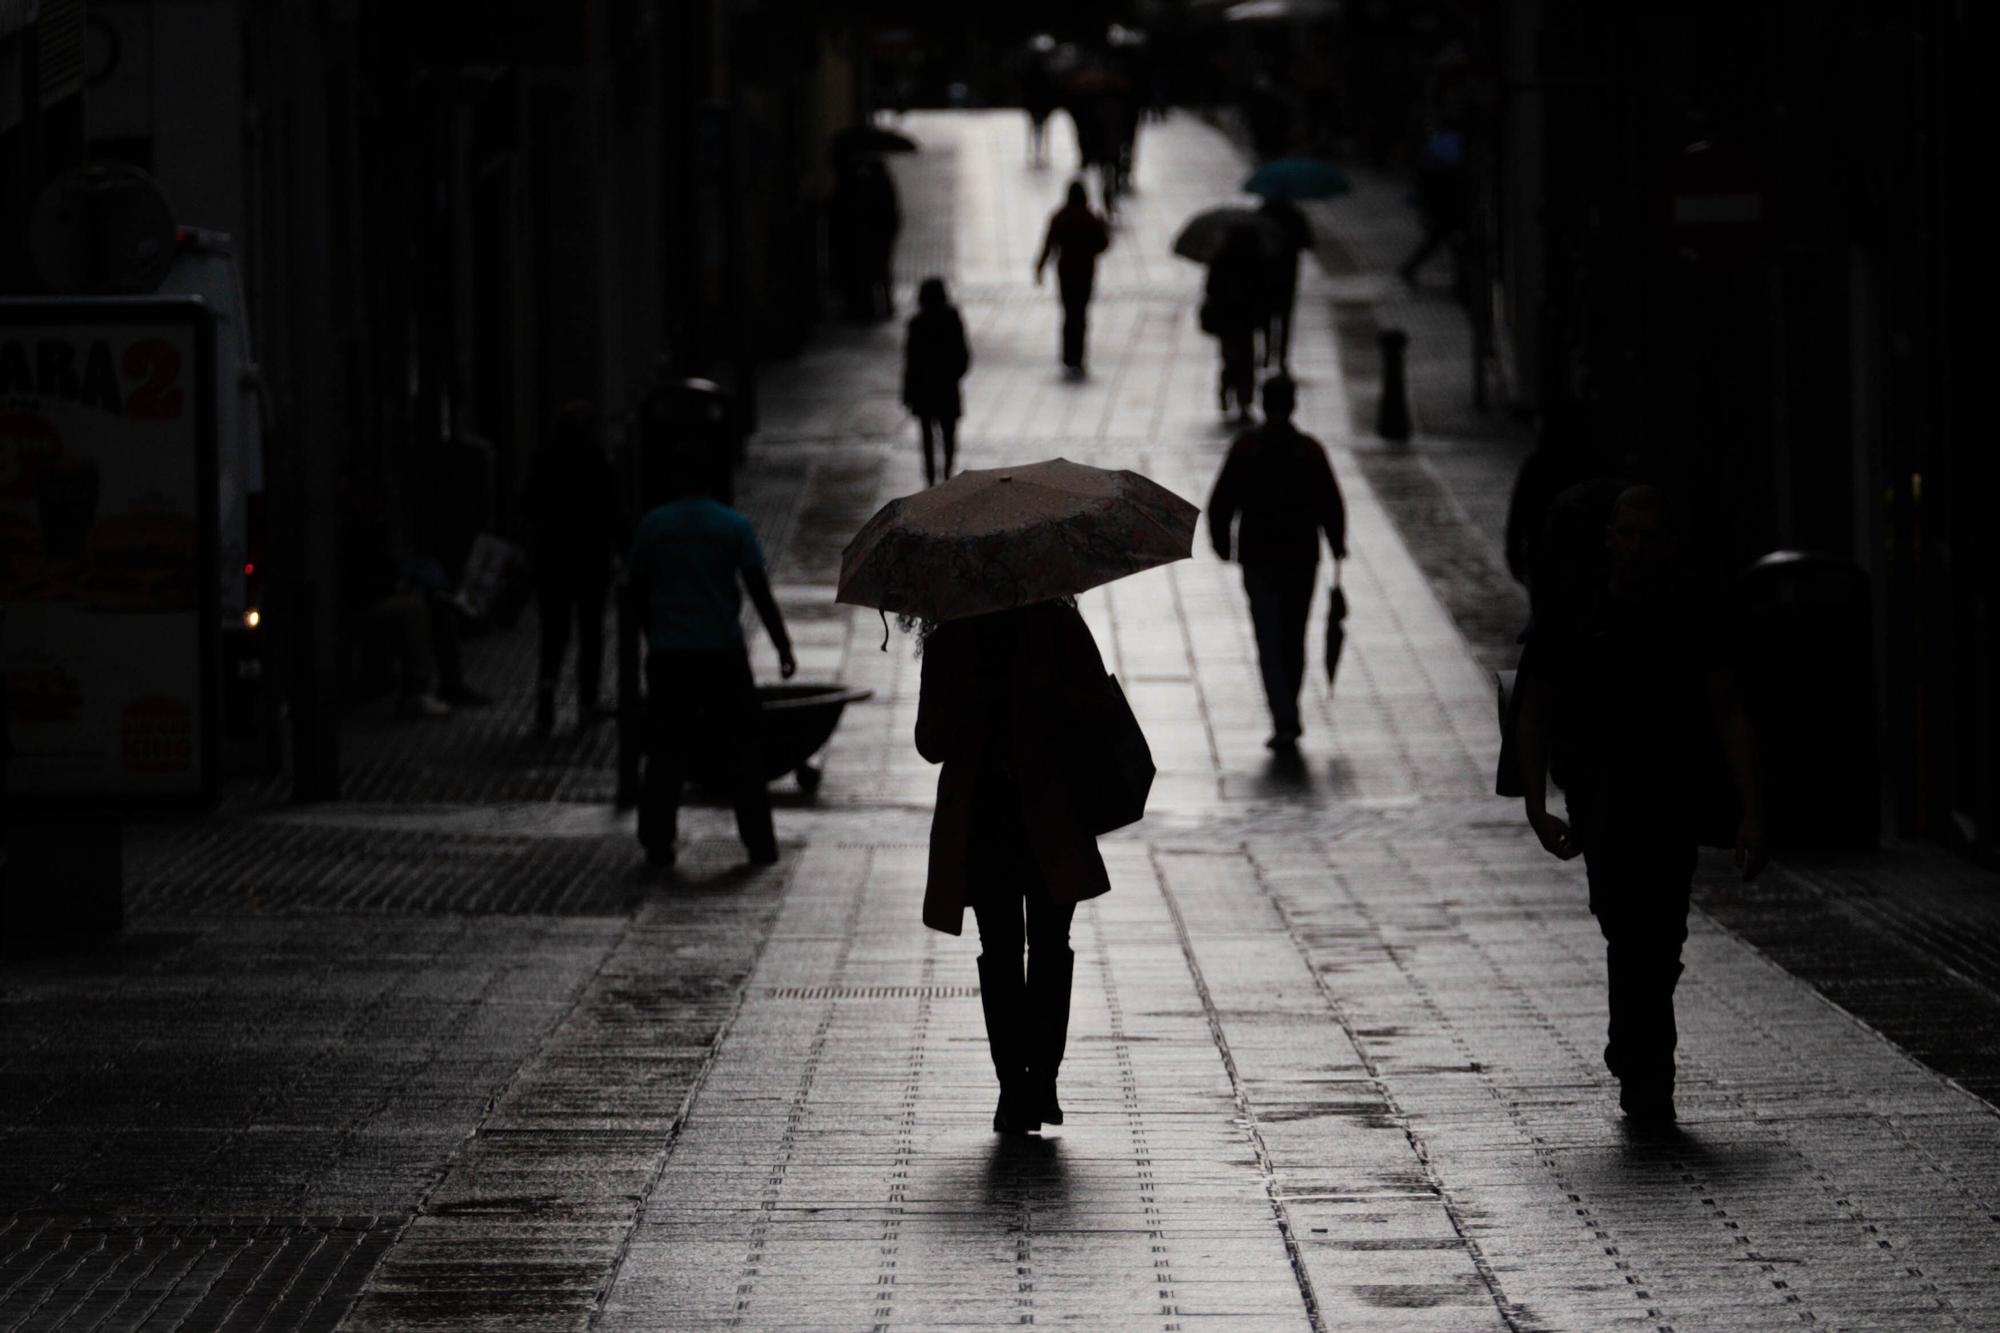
[1297, 178]
[996, 538]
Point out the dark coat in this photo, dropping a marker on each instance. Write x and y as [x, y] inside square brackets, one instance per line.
[1233, 296]
[1000, 700]
[574, 524]
[935, 358]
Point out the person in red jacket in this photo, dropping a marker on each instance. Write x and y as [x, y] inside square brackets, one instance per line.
[1076, 237]
[1279, 480]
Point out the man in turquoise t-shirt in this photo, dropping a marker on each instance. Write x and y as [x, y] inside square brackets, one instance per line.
[702, 713]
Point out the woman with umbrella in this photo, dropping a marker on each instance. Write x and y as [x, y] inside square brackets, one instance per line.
[1232, 310]
[1039, 753]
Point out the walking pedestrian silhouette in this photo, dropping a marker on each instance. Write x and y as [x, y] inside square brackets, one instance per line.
[1232, 311]
[1626, 698]
[570, 498]
[1075, 238]
[935, 359]
[1278, 480]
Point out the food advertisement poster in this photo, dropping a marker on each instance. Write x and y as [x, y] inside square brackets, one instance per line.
[107, 528]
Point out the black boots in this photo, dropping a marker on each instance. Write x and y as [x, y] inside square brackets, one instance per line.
[1027, 1029]
[1004, 998]
[1048, 1028]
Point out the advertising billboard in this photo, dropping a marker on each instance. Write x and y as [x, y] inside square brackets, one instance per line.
[107, 540]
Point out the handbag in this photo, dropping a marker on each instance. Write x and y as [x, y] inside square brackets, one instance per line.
[1114, 766]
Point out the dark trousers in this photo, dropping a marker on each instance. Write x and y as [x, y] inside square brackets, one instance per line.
[1239, 367]
[559, 601]
[1075, 304]
[1639, 894]
[1278, 330]
[938, 431]
[1280, 601]
[703, 722]
[1027, 1010]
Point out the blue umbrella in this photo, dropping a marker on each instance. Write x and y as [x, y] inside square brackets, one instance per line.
[1297, 178]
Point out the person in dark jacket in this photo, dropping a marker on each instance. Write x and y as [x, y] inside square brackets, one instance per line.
[1627, 699]
[1281, 279]
[1232, 310]
[571, 500]
[1279, 480]
[1076, 237]
[1002, 695]
[935, 359]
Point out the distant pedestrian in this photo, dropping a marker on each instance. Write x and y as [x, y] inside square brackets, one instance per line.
[1441, 198]
[1278, 479]
[1038, 99]
[691, 560]
[1626, 699]
[865, 223]
[1001, 701]
[1281, 279]
[881, 223]
[935, 359]
[1076, 237]
[571, 502]
[1232, 310]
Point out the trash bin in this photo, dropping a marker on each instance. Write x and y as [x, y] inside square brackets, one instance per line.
[689, 421]
[1808, 680]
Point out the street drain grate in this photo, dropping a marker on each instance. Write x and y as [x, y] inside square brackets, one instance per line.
[871, 992]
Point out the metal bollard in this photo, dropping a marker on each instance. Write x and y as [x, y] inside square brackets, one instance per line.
[1392, 414]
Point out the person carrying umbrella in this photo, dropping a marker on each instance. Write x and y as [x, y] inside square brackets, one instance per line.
[1232, 310]
[1278, 479]
[1281, 278]
[1039, 753]
[1076, 237]
[935, 359]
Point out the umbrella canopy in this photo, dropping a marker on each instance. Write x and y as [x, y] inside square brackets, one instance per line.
[1297, 178]
[992, 539]
[871, 138]
[1204, 235]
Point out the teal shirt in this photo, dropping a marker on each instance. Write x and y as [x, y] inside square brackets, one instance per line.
[691, 554]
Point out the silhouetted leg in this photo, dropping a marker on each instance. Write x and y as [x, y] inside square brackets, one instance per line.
[948, 441]
[552, 623]
[589, 644]
[1295, 606]
[1003, 999]
[1434, 236]
[736, 694]
[666, 760]
[1284, 327]
[1280, 631]
[1073, 334]
[926, 428]
[1050, 966]
[1639, 893]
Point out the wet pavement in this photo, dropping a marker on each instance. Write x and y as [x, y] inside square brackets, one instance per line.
[444, 1056]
